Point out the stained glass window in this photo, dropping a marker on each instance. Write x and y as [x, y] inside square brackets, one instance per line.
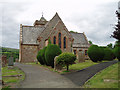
[75, 52]
[59, 39]
[54, 40]
[64, 42]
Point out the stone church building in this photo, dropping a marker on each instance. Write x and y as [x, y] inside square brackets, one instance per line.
[33, 38]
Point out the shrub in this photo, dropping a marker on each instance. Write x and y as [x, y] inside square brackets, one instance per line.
[95, 53]
[40, 58]
[117, 50]
[43, 55]
[52, 50]
[66, 59]
[49, 41]
[108, 54]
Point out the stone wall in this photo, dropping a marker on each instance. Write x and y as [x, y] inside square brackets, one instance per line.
[78, 50]
[60, 28]
[29, 53]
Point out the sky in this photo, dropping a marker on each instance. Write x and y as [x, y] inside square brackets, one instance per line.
[96, 18]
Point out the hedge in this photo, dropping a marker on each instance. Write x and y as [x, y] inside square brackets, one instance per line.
[52, 50]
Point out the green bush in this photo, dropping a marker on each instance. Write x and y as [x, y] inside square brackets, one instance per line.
[40, 57]
[43, 55]
[108, 54]
[95, 53]
[52, 50]
[117, 50]
[66, 59]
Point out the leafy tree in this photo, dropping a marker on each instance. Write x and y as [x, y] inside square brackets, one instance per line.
[117, 50]
[110, 46]
[90, 42]
[73, 32]
[66, 59]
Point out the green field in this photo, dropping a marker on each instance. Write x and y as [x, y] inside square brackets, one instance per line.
[107, 78]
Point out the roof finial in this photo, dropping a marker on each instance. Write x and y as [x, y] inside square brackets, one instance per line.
[42, 14]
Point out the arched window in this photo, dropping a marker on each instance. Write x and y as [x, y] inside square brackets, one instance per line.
[54, 40]
[59, 40]
[64, 42]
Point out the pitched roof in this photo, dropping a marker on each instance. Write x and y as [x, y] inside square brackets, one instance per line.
[50, 25]
[80, 40]
[30, 34]
[56, 19]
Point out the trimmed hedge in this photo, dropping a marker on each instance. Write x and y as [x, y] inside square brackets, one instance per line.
[66, 59]
[109, 55]
[52, 50]
[117, 50]
[43, 55]
[96, 53]
[40, 57]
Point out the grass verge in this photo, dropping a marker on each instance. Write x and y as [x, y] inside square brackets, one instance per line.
[107, 78]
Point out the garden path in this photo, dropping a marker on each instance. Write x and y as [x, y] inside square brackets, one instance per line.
[37, 77]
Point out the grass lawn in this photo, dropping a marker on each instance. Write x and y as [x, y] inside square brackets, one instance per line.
[107, 78]
[79, 66]
[72, 68]
[9, 80]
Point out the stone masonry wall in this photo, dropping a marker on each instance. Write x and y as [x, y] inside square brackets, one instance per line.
[29, 53]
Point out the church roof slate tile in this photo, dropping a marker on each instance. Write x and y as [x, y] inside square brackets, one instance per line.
[30, 34]
[79, 40]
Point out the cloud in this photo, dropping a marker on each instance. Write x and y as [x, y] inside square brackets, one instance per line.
[97, 23]
[90, 16]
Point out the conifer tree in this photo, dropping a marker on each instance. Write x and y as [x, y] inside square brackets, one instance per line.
[116, 33]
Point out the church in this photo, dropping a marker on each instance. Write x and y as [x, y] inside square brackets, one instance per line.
[33, 38]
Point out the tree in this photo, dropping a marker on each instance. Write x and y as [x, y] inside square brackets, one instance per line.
[116, 33]
[110, 46]
[96, 53]
[117, 50]
[90, 42]
[73, 32]
[51, 51]
[66, 59]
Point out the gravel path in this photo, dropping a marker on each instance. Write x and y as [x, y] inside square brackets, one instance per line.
[37, 77]
[80, 77]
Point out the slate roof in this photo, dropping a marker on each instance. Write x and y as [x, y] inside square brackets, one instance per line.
[50, 25]
[30, 34]
[79, 40]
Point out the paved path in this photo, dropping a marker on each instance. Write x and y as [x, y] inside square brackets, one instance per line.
[37, 77]
[80, 77]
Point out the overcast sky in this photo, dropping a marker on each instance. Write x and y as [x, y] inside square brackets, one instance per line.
[93, 17]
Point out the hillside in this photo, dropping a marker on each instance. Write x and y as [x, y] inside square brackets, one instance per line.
[9, 52]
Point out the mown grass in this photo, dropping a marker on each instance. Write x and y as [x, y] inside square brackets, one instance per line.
[72, 68]
[107, 78]
[79, 66]
[12, 71]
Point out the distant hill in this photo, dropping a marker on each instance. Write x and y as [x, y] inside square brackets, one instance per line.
[9, 52]
[5, 49]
